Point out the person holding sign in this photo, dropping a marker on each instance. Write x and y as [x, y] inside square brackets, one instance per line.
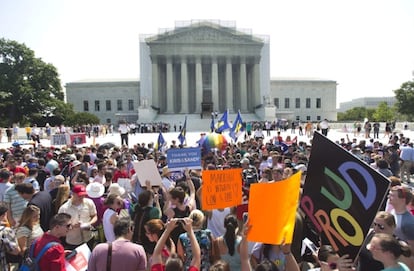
[280, 255]
[327, 259]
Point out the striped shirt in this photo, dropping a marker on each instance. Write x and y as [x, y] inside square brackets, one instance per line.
[17, 203]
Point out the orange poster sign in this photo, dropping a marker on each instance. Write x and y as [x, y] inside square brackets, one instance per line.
[221, 188]
[272, 210]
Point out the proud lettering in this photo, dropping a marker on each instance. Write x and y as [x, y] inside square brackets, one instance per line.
[332, 221]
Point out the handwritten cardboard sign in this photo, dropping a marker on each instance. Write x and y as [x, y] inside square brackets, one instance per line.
[221, 188]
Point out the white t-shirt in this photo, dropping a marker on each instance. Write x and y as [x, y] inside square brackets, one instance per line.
[216, 223]
[108, 226]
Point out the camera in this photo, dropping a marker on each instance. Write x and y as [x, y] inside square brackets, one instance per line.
[250, 176]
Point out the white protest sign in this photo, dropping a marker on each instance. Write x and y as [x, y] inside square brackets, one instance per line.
[147, 170]
[79, 262]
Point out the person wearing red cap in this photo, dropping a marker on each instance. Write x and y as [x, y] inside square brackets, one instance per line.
[14, 168]
[83, 212]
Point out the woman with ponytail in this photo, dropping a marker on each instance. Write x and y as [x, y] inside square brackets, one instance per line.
[229, 243]
[387, 249]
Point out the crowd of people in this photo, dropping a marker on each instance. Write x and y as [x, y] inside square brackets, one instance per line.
[72, 196]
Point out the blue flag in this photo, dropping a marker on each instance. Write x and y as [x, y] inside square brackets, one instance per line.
[183, 132]
[223, 123]
[160, 142]
[237, 128]
[212, 123]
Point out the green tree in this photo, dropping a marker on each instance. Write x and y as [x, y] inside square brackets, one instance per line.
[384, 112]
[81, 118]
[356, 113]
[405, 99]
[29, 87]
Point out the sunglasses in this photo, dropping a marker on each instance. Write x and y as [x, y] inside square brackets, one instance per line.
[68, 226]
[378, 225]
[332, 266]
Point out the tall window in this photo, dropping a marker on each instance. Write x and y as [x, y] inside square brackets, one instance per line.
[318, 102]
[85, 106]
[97, 106]
[287, 103]
[308, 118]
[297, 117]
[131, 105]
[276, 102]
[308, 102]
[297, 102]
[108, 105]
[119, 105]
[318, 118]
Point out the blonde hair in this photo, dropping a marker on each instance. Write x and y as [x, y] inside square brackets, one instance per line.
[27, 216]
[62, 196]
[198, 218]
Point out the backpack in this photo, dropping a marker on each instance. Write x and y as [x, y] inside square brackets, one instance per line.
[31, 263]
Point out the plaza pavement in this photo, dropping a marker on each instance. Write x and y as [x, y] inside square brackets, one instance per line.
[193, 137]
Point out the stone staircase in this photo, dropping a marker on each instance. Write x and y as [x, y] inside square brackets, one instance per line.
[197, 124]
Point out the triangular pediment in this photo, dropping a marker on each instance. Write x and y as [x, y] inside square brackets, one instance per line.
[204, 33]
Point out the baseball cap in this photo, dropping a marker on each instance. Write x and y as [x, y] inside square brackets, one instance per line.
[79, 190]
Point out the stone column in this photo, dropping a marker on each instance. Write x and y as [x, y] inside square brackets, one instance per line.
[229, 85]
[199, 84]
[215, 84]
[184, 85]
[243, 85]
[155, 90]
[169, 88]
[256, 86]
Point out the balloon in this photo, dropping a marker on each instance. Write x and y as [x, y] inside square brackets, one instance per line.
[213, 141]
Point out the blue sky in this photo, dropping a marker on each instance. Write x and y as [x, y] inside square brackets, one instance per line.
[366, 46]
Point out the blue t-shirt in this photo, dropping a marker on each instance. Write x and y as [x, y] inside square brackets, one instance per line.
[402, 267]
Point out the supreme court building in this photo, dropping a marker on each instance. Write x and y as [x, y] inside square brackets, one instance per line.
[201, 67]
[204, 67]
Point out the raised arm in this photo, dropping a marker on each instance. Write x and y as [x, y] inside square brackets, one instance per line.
[157, 255]
[244, 249]
[196, 260]
[191, 186]
[291, 263]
